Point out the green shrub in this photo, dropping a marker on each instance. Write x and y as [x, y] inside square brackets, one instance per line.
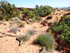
[37, 13]
[36, 18]
[24, 37]
[8, 10]
[45, 40]
[56, 27]
[62, 28]
[66, 31]
[43, 10]
[27, 14]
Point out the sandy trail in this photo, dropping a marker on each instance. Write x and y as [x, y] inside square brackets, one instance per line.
[12, 45]
[8, 45]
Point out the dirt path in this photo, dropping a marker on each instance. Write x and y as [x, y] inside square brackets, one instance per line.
[8, 45]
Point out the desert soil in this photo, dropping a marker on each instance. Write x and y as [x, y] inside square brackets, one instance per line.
[9, 44]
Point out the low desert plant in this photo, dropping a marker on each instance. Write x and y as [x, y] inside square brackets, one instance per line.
[22, 39]
[21, 23]
[18, 21]
[45, 40]
[14, 29]
[31, 32]
[56, 27]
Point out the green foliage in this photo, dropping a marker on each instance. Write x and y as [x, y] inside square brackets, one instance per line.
[8, 10]
[31, 32]
[37, 6]
[43, 10]
[1, 14]
[45, 40]
[56, 27]
[40, 11]
[63, 27]
[24, 37]
[59, 47]
[27, 13]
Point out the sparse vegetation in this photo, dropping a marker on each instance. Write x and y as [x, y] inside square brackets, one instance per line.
[14, 29]
[24, 37]
[31, 32]
[41, 14]
[18, 21]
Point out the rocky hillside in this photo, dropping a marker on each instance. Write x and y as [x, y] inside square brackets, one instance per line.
[11, 30]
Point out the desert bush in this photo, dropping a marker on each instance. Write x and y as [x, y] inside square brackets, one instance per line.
[31, 32]
[45, 40]
[24, 37]
[43, 10]
[27, 14]
[37, 13]
[56, 27]
[36, 18]
[18, 21]
[36, 6]
[63, 28]
[66, 30]
[14, 29]
[25, 11]
[8, 10]
[1, 16]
